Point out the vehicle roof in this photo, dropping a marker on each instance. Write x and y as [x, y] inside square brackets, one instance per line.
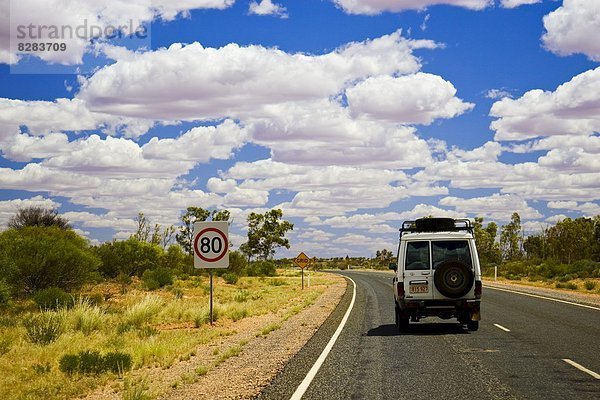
[436, 235]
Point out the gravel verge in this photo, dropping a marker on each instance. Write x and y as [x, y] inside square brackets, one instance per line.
[242, 363]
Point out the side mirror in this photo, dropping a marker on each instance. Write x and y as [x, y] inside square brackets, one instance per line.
[393, 266]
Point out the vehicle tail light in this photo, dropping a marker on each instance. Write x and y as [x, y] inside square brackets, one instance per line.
[400, 288]
[478, 289]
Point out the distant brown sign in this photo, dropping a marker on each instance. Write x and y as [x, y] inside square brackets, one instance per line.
[302, 260]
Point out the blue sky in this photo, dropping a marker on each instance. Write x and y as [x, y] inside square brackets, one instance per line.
[350, 115]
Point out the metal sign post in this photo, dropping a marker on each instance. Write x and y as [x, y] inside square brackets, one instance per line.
[211, 296]
[211, 249]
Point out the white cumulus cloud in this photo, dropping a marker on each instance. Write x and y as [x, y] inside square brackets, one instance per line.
[235, 81]
[412, 99]
[573, 28]
[267, 7]
[572, 109]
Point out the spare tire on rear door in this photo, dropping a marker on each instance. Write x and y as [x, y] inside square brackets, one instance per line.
[453, 278]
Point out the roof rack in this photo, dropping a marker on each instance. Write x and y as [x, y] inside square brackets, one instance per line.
[437, 225]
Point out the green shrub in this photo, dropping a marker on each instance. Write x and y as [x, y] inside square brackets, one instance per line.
[238, 313]
[176, 259]
[44, 327]
[35, 258]
[261, 268]
[69, 364]
[129, 257]
[52, 298]
[117, 362]
[237, 263]
[150, 283]
[567, 277]
[91, 362]
[567, 285]
[276, 282]
[589, 285]
[157, 278]
[230, 278]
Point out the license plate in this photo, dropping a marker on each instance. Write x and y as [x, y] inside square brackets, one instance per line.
[419, 289]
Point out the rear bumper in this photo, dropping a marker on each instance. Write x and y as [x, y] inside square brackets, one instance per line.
[461, 309]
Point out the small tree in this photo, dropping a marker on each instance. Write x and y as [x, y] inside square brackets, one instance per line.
[38, 257]
[37, 216]
[186, 231]
[237, 263]
[487, 246]
[266, 232]
[511, 240]
[143, 232]
[176, 259]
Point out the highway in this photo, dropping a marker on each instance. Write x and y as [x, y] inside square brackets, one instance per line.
[526, 348]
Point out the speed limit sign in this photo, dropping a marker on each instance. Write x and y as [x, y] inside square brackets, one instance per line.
[211, 244]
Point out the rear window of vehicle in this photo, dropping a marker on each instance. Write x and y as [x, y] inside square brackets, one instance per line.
[417, 256]
[450, 250]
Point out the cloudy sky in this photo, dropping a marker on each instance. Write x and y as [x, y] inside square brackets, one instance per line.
[350, 115]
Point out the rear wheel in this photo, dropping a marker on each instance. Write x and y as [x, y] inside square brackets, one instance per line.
[402, 320]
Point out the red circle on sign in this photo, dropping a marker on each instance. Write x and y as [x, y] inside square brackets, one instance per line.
[218, 257]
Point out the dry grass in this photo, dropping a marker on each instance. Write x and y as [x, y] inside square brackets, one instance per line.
[158, 329]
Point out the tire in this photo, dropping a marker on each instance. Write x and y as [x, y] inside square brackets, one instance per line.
[453, 279]
[403, 324]
[402, 321]
[473, 325]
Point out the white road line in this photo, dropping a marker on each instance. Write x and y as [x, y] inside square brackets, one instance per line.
[501, 327]
[544, 297]
[317, 365]
[581, 368]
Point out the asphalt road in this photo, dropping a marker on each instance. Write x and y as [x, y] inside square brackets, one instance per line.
[517, 353]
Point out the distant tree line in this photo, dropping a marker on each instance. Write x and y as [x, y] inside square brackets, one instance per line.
[568, 241]
[569, 249]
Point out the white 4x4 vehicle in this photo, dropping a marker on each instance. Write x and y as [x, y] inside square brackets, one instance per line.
[437, 272]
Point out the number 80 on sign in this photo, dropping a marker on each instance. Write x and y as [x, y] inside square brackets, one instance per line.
[211, 244]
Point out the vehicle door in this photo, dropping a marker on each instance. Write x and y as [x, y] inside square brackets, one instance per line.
[417, 277]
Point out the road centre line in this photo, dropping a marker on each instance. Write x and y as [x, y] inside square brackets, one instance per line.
[501, 327]
[543, 297]
[581, 368]
[317, 365]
